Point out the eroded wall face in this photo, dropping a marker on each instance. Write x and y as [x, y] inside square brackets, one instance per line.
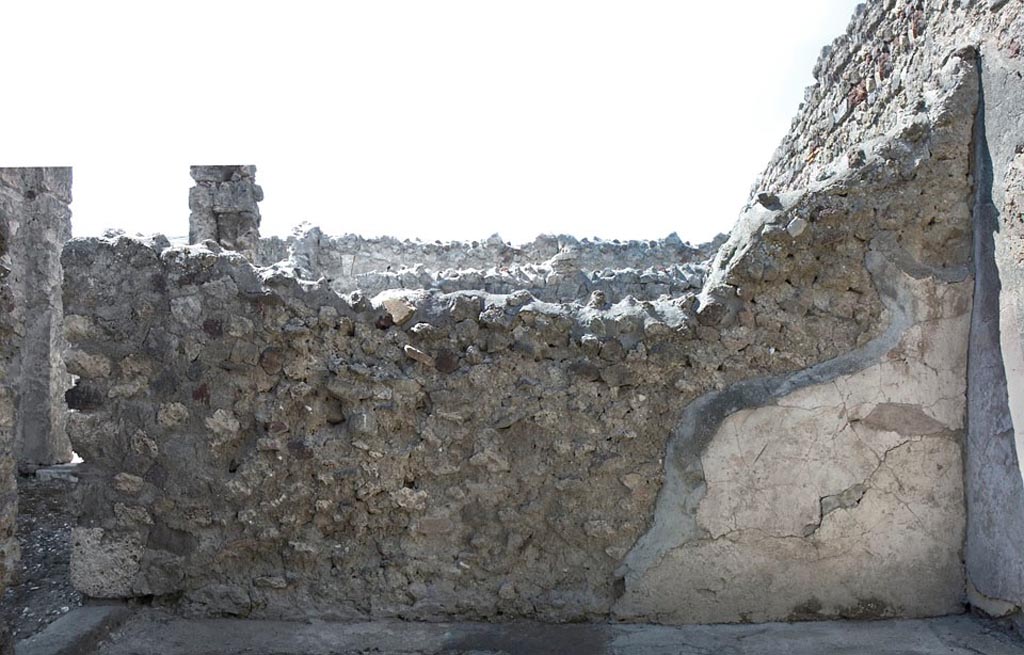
[36, 201]
[260, 446]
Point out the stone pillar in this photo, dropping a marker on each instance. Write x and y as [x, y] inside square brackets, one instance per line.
[34, 223]
[224, 209]
[34, 208]
[8, 489]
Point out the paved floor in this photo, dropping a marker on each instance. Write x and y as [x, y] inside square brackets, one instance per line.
[148, 633]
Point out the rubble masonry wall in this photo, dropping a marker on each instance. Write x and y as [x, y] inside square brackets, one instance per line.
[783, 442]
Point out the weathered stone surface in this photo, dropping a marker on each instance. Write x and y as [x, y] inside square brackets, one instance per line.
[8, 491]
[33, 227]
[103, 566]
[475, 454]
[34, 203]
[577, 431]
[224, 208]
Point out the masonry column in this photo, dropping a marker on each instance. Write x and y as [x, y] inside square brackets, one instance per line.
[34, 224]
[8, 490]
[223, 203]
[34, 207]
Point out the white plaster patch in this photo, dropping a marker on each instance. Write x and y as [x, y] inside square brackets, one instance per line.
[843, 498]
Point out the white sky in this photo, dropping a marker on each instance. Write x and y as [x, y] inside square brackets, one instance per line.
[437, 119]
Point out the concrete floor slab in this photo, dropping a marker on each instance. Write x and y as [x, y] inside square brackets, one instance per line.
[152, 632]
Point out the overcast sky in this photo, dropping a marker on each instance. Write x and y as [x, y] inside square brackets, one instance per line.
[437, 119]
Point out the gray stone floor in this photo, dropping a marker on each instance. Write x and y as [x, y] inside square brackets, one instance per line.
[150, 632]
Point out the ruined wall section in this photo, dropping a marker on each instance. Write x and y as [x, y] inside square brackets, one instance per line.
[36, 200]
[552, 268]
[257, 445]
[270, 448]
[884, 70]
[880, 71]
[224, 208]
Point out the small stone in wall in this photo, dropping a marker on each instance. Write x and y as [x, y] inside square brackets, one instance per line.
[490, 459]
[410, 499]
[415, 353]
[796, 227]
[223, 423]
[400, 310]
[127, 483]
[446, 361]
[171, 414]
[363, 423]
[87, 365]
[434, 525]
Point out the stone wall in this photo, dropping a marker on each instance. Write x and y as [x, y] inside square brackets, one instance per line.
[783, 442]
[224, 207]
[552, 268]
[36, 201]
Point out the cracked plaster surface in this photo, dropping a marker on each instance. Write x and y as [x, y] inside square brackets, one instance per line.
[847, 494]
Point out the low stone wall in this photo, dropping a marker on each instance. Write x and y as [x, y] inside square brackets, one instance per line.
[786, 443]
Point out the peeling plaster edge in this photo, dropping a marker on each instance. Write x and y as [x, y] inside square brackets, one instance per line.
[674, 522]
[674, 518]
